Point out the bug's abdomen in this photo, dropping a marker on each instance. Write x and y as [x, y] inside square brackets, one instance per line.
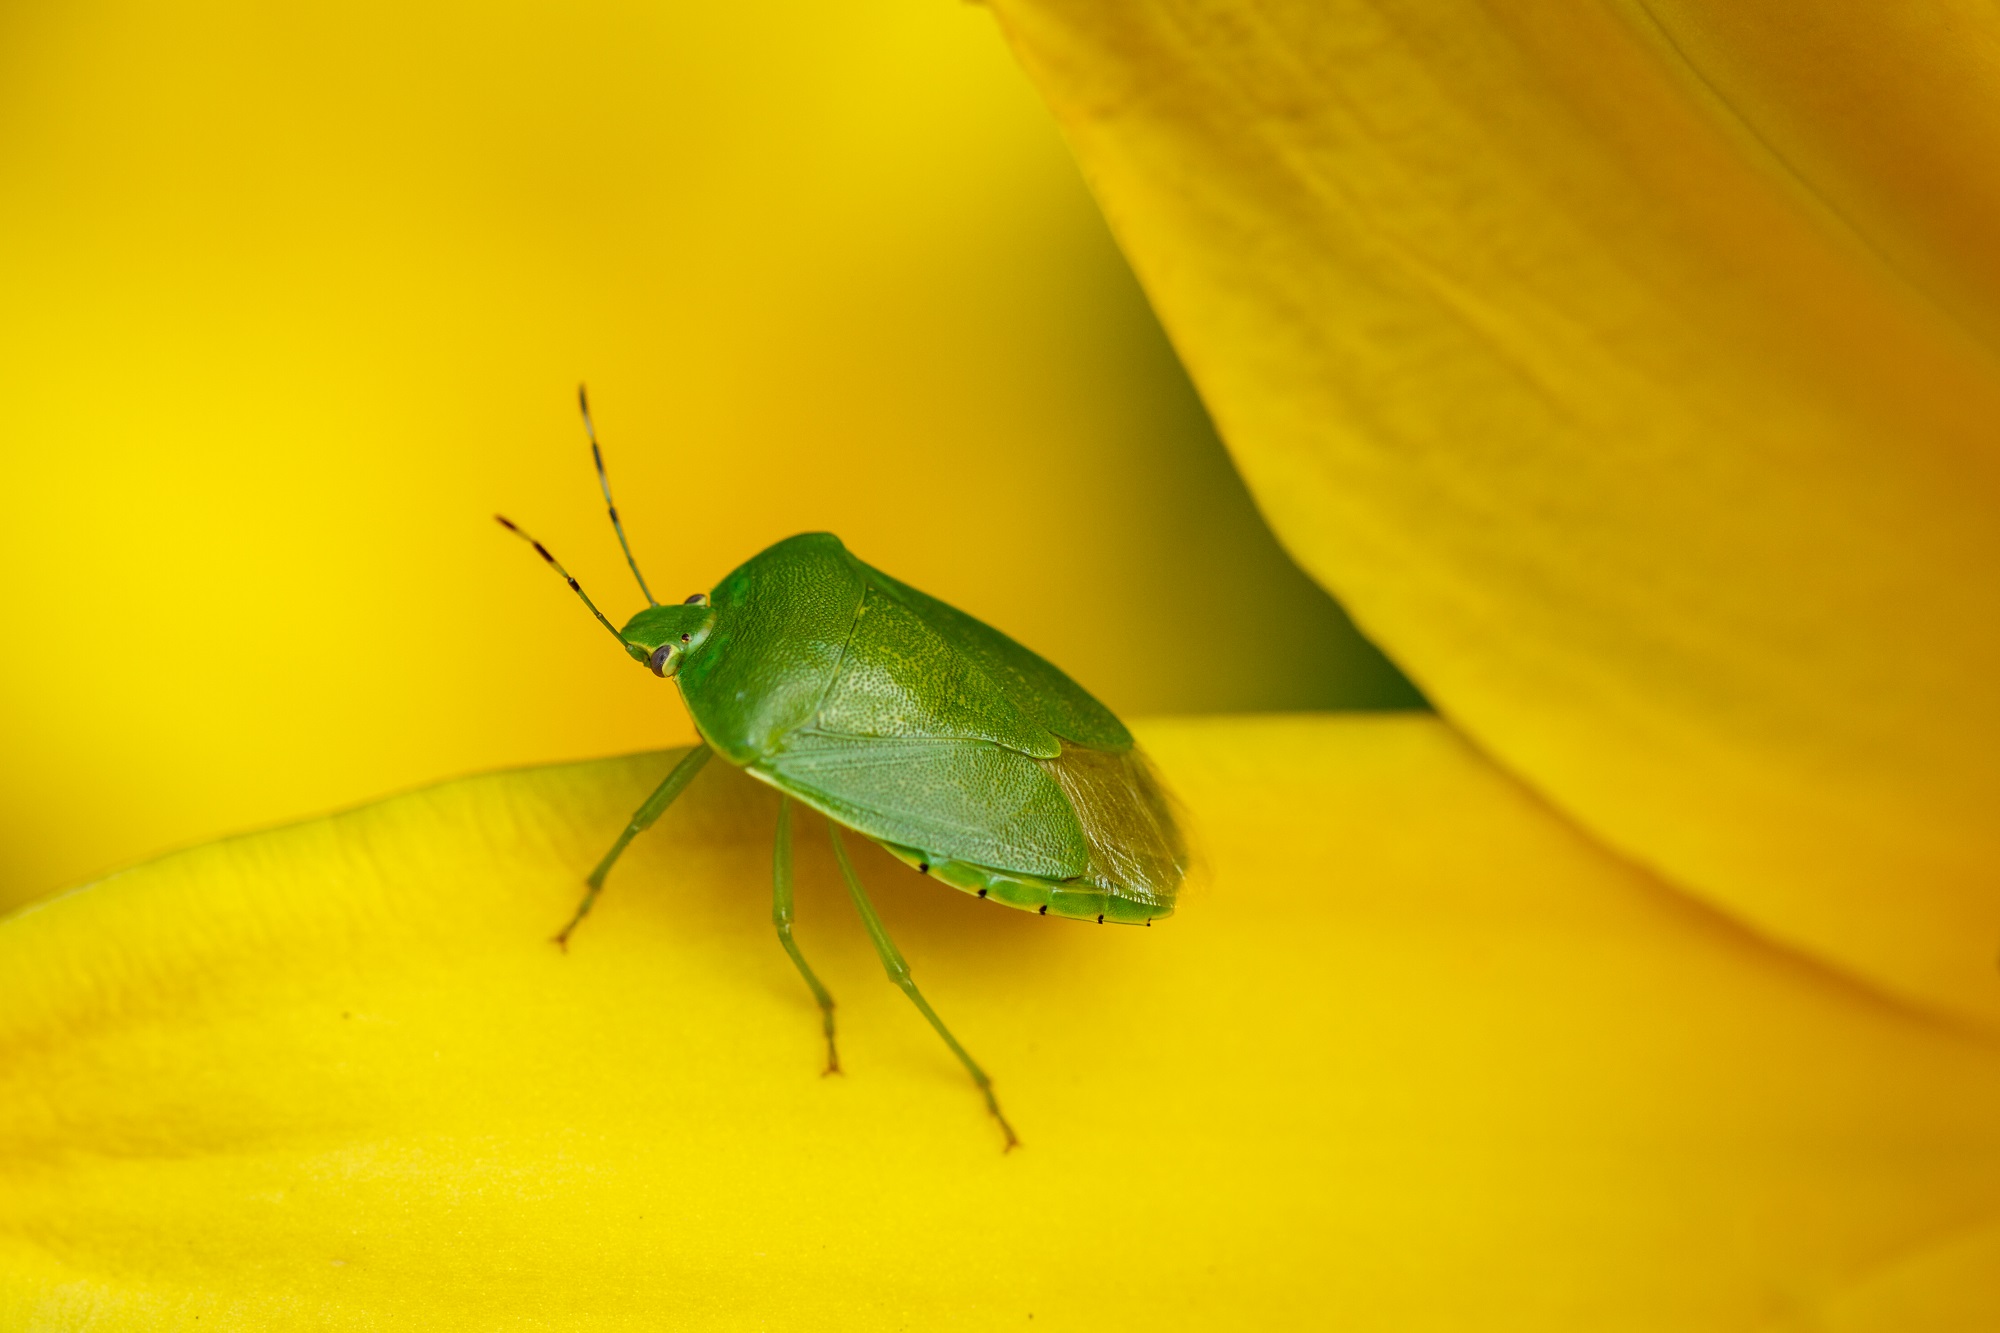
[1077, 899]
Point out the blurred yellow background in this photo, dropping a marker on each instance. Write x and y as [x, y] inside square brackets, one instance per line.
[297, 297]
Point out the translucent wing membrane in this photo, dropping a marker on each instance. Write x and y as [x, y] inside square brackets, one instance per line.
[1136, 848]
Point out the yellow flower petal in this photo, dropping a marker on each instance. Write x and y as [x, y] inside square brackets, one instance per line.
[1655, 478]
[1887, 112]
[1416, 1055]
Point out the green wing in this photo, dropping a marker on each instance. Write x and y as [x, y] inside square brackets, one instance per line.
[1085, 817]
[961, 800]
[1036, 686]
[899, 678]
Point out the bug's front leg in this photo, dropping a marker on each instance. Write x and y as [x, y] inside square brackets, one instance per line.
[899, 972]
[781, 917]
[642, 819]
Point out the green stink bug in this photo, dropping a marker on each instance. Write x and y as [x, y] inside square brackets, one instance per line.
[911, 723]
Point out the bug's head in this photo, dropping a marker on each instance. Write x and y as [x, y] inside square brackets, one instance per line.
[661, 637]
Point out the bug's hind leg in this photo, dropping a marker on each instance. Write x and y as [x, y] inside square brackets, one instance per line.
[899, 972]
[642, 819]
[781, 917]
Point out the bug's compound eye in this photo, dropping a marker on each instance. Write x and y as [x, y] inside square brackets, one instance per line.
[658, 661]
[698, 599]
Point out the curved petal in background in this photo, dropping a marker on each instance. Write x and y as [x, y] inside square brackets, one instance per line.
[1889, 113]
[1417, 1055]
[1655, 474]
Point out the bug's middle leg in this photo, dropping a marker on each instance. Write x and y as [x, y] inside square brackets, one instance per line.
[899, 972]
[781, 917]
[642, 819]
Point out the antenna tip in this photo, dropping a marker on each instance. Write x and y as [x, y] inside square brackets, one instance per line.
[583, 397]
[501, 519]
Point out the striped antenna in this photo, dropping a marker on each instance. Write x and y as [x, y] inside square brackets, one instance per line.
[604, 484]
[574, 586]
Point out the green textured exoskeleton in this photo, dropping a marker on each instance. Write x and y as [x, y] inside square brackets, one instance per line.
[907, 721]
